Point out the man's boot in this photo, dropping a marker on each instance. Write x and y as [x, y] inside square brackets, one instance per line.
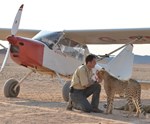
[69, 106]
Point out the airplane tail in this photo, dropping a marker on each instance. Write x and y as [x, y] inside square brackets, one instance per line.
[121, 66]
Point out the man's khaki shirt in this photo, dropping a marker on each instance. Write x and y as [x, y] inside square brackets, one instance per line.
[82, 78]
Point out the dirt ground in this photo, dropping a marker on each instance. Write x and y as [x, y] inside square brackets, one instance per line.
[40, 101]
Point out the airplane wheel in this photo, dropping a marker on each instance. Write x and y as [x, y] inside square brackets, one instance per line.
[65, 91]
[9, 88]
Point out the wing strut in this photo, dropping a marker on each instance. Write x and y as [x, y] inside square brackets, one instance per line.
[107, 55]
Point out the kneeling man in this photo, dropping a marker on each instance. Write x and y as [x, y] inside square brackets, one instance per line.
[82, 86]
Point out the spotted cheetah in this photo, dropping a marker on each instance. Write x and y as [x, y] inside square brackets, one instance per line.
[131, 87]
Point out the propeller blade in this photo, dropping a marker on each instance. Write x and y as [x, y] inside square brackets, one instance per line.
[17, 21]
[6, 57]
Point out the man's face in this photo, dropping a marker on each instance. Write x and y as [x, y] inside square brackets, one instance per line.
[92, 63]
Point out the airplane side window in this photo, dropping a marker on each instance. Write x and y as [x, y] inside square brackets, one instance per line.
[68, 50]
[80, 54]
[71, 48]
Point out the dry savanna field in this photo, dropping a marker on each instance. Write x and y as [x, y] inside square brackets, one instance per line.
[40, 100]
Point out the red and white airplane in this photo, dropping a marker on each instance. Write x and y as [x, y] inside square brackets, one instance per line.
[61, 52]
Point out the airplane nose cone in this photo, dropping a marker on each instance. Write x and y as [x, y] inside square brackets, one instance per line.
[12, 39]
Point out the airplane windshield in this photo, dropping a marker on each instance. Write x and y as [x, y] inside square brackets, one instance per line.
[48, 38]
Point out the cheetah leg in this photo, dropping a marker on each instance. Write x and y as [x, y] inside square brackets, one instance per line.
[108, 92]
[109, 104]
[140, 107]
[131, 106]
[138, 110]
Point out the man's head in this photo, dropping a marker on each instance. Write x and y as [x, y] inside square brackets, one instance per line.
[90, 61]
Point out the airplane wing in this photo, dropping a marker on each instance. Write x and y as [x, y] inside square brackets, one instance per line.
[109, 36]
[4, 32]
[102, 36]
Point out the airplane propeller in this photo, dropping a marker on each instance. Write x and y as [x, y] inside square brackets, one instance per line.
[16, 23]
[14, 30]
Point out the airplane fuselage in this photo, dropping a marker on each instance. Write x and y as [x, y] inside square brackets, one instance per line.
[33, 53]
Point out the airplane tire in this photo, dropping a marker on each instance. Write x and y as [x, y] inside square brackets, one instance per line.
[65, 91]
[9, 88]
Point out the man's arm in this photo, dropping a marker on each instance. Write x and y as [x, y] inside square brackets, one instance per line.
[84, 79]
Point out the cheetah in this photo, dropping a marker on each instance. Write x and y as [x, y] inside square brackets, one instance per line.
[131, 87]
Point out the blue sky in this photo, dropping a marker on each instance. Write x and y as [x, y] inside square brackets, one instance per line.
[80, 14]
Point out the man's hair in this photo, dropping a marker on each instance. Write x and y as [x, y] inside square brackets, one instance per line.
[90, 58]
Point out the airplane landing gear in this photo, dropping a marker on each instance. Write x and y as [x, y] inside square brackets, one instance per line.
[12, 86]
[9, 90]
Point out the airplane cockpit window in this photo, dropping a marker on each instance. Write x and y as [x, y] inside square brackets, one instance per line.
[72, 48]
[57, 41]
[48, 38]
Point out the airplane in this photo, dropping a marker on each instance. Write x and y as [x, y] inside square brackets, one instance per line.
[61, 52]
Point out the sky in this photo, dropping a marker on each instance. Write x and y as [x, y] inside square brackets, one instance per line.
[57, 15]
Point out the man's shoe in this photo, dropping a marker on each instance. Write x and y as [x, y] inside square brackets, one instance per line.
[96, 110]
[70, 106]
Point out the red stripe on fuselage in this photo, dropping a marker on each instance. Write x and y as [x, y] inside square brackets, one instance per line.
[30, 52]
